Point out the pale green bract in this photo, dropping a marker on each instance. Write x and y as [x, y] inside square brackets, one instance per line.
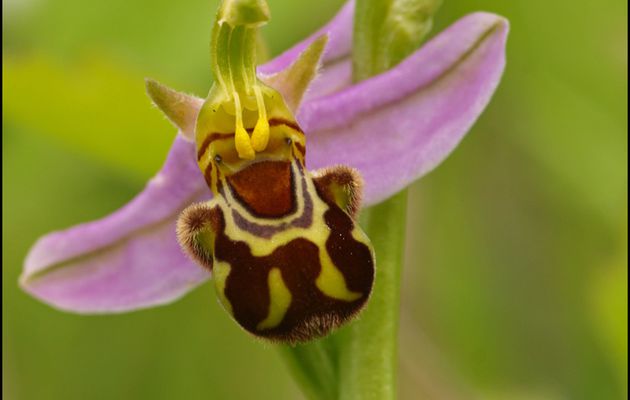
[387, 31]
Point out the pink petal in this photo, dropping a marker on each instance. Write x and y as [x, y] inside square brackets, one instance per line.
[129, 259]
[399, 125]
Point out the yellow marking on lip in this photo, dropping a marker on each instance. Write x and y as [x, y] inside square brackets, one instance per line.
[361, 237]
[279, 300]
[220, 272]
[331, 281]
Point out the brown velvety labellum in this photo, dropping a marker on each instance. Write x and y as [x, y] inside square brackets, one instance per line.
[265, 188]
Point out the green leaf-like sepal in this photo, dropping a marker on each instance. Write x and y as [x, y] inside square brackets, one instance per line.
[293, 81]
[180, 108]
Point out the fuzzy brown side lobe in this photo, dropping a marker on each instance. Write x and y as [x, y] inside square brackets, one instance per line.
[343, 178]
[195, 220]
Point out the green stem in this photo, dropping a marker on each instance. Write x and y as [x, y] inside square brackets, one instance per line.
[369, 354]
[360, 361]
[313, 368]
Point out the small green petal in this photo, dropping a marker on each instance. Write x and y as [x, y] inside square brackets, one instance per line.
[293, 81]
[180, 108]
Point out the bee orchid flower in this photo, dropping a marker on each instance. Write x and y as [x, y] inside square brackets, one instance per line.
[392, 128]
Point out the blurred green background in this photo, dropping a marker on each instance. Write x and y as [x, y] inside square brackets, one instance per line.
[516, 270]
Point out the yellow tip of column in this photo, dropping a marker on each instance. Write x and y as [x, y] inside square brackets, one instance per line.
[260, 136]
[243, 144]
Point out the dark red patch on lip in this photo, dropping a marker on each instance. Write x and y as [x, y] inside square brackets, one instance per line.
[265, 188]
